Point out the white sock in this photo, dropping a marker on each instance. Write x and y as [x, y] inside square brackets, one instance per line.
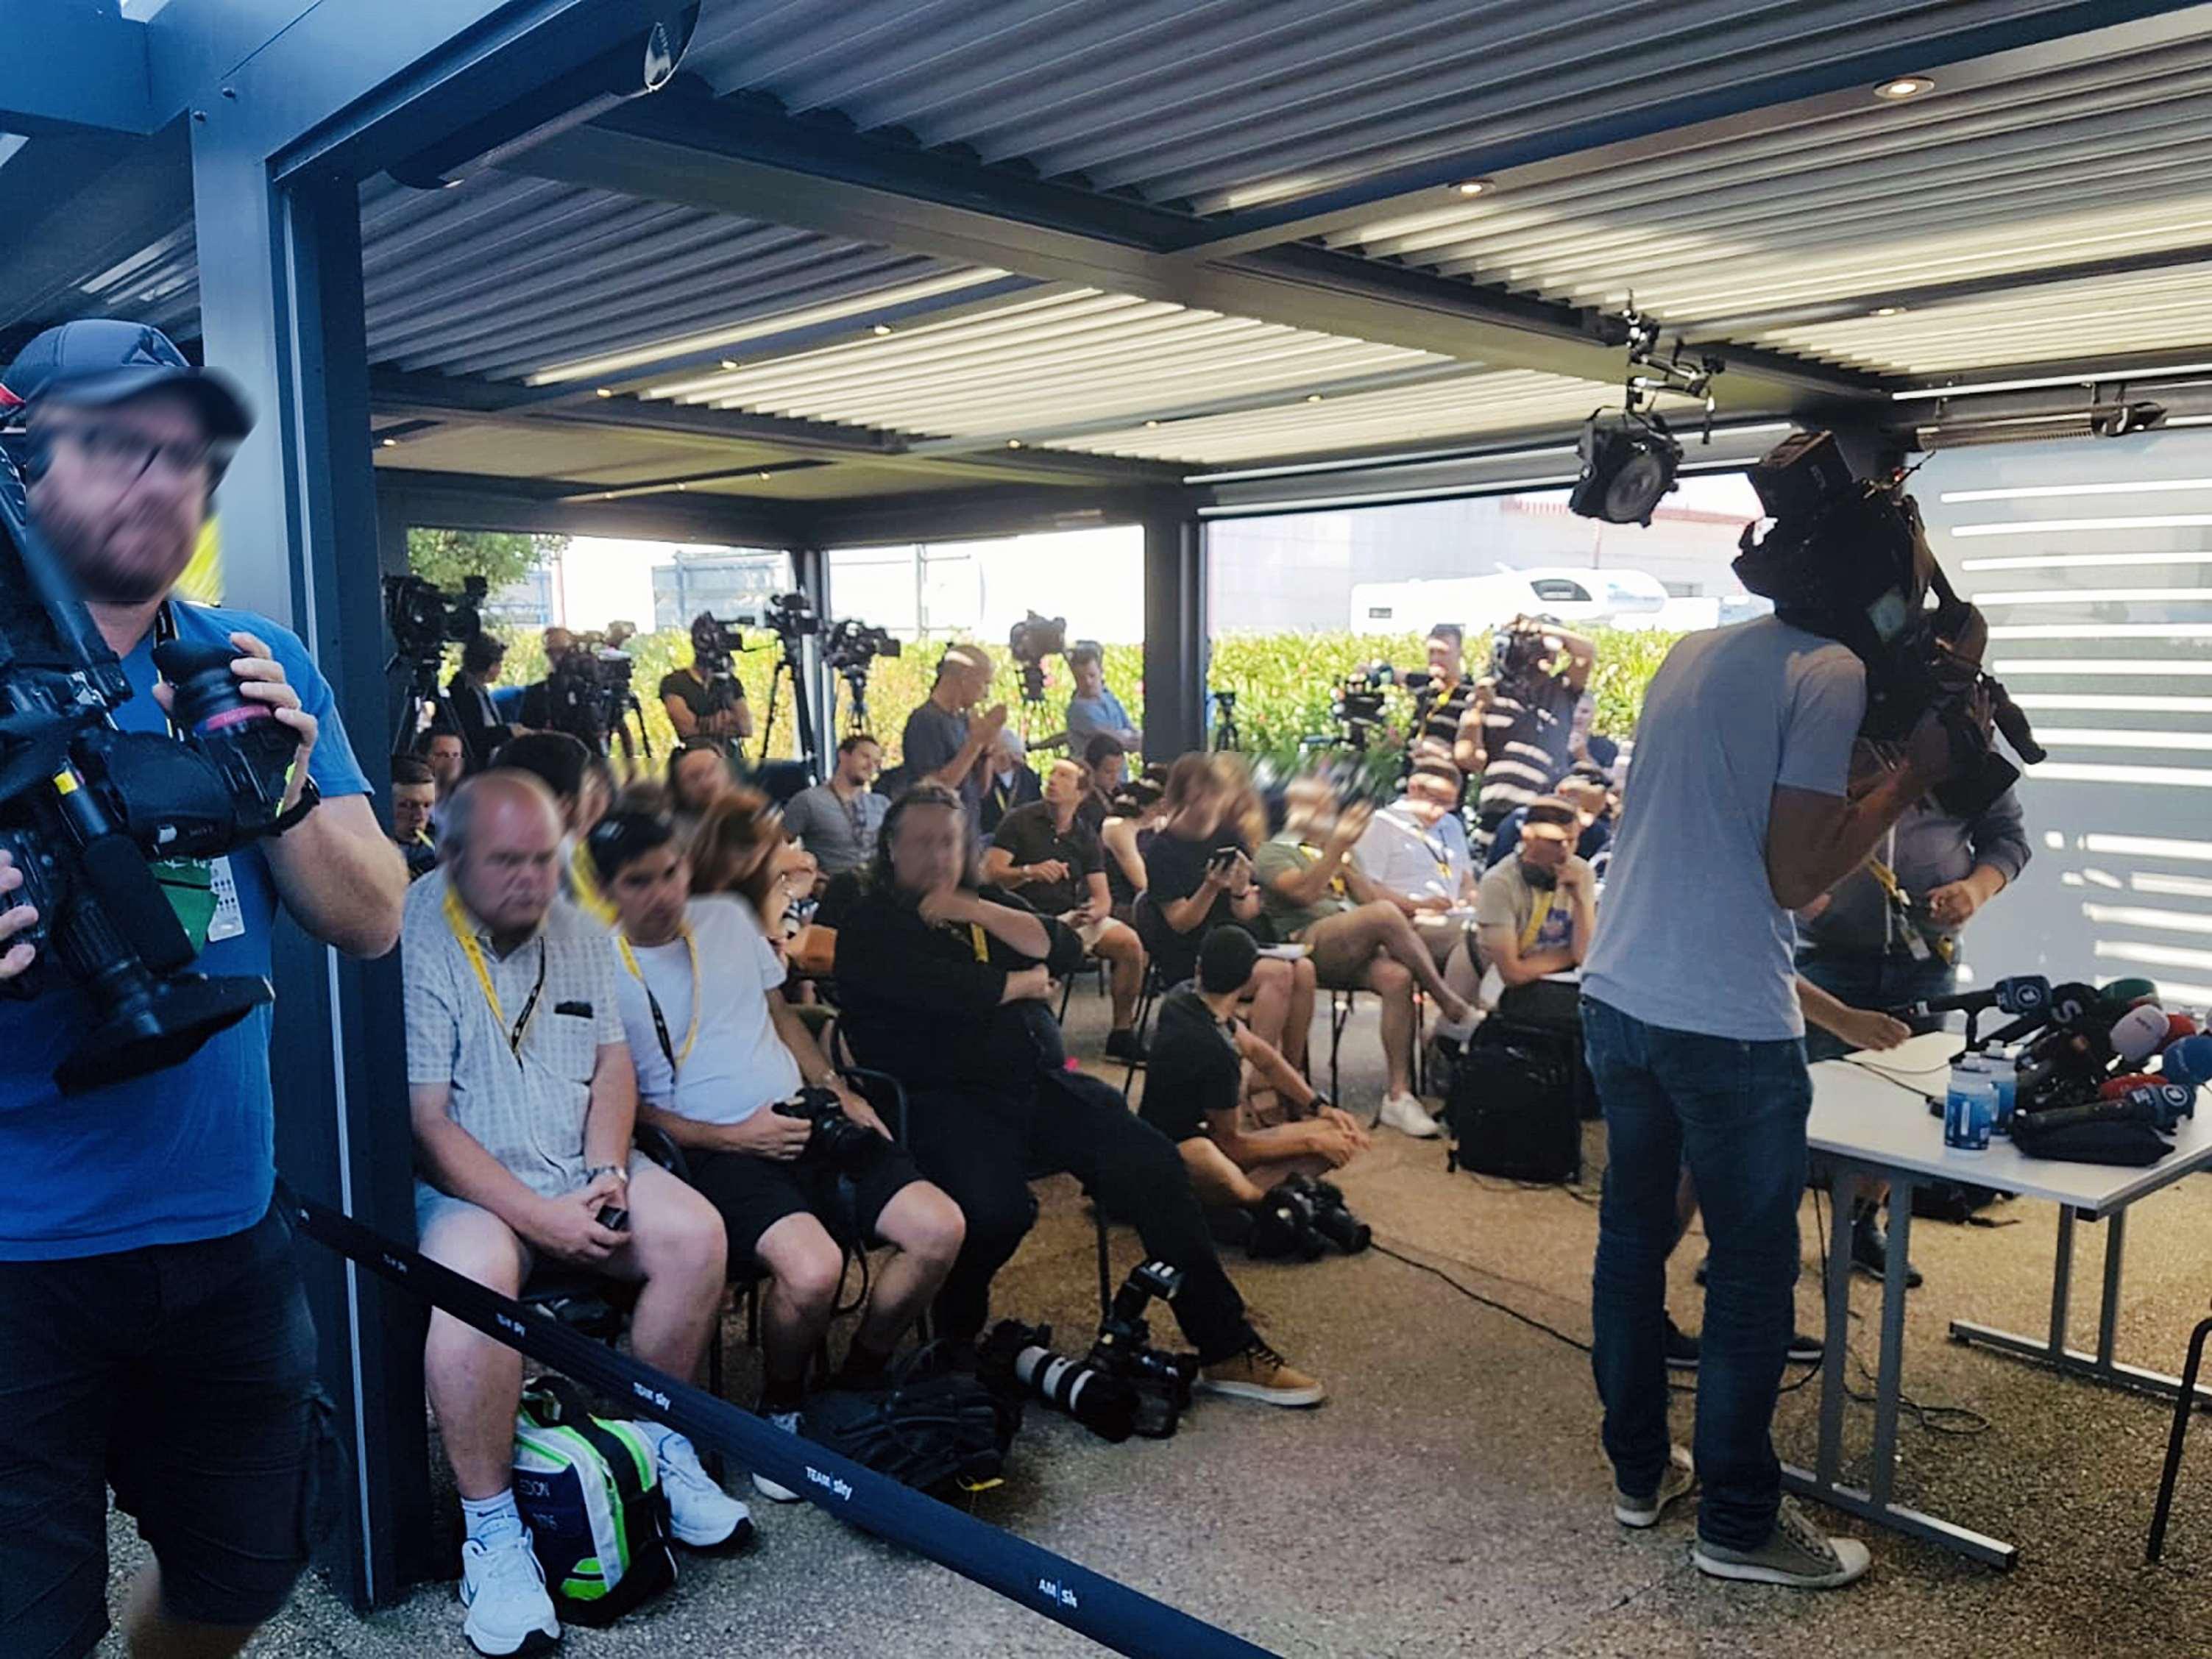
[490, 1519]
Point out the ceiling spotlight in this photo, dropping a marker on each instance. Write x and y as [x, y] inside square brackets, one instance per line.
[1313, 396]
[1628, 461]
[602, 392]
[1152, 423]
[1013, 443]
[1474, 186]
[764, 477]
[729, 362]
[880, 330]
[389, 443]
[1905, 86]
[1887, 310]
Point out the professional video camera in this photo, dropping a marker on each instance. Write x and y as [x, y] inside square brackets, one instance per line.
[850, 648]
[424, 619]
[1358, 706]
[1848, 558]
[1301, 1218]
[83, 805]
[834, 1141]
[1031, 640]
[608, 675]
[1225, 734]
[1124, 1385]
[1523, 655]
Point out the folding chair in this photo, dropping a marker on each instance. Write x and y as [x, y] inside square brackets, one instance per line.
[2185, 1405]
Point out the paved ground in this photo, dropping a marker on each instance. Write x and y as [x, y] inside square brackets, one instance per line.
[1450, 1499]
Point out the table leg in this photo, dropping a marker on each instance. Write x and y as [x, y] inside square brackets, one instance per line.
[2108, 1311]
[1839, 1329]
[2062, 1278]
[1889, 1378]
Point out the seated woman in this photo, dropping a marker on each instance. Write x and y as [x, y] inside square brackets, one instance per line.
[1203, 1057]
[1200, 869]
[1132, 819]
[945, 984]
[739, 848]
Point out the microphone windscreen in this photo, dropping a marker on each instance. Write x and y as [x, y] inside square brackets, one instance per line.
[2113, 1087]
[2189, 1060]
[2136, 1035]
[2125, 991]
[2178, 1026]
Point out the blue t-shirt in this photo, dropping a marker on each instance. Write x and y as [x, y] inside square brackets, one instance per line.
[1088, 716]
[181, 1154]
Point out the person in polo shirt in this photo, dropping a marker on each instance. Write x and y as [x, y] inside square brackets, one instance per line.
[523, 1099]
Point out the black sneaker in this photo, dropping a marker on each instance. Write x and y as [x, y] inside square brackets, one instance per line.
[1806, 1350]
[1681, 1348]
[1124, 1044]
[1870, 1250]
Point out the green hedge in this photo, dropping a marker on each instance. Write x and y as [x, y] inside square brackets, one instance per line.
[1283, 683]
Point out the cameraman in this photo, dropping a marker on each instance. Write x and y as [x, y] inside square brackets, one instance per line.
[1443, 709]
[1526, 706]
[944, 983]
[1739, 814]
[717, 1047]
[469, 705]
[707, 708]
[156, 1335]
[568, 699]
[1094, 711]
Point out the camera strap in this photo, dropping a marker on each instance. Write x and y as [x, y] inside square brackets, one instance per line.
[457, 919]
[676, 1057]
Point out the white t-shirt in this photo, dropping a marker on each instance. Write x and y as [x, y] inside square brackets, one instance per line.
[737, 1064]
[1395, 851]
[1689, 936]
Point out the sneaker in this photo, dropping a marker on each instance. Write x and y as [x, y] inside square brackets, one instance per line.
[1674, 1481]
[1126, 1044]
[1682, 1348]
[1805, 1350]
[1408, 1116]
[503, 1589]
[788, 1422]
[1259, 1373]
[701, 1514]
[1870, 1250]
[1796, 1554]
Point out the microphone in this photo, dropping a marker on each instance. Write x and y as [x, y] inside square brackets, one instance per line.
[2134, 1036]
[2026, 994]
[2113, 1088]
[2130, 990]
[2102, 1111]
[2178, 1026]
[2188, 1061]
[2069, 1004]
[2169, 1103]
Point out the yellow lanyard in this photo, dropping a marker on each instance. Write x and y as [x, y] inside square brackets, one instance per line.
[457, 919]
[589, 899]
[1539, 915]
[1336, 883]
[975, 938]
[675, 1056]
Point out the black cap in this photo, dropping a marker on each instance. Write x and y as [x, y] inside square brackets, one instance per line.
[100, 361]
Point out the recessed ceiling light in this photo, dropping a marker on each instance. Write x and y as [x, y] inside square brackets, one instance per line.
[602, 392]
[1905, 86]
[389, 443]
[729, 362]
[1887, 310]
[880, 330]
[1013, 443]
[1313, 396]
[1474, 186]
[763, 475]
[1151, 422]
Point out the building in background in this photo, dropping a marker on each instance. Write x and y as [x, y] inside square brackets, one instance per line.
[728, 582]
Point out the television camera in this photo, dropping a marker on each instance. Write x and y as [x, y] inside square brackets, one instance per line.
[423, 619]
[1848, 558]
[850, 649]
[1031, 640]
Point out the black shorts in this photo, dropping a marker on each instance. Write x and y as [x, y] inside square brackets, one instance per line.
[754, 1194]
[182, 1376]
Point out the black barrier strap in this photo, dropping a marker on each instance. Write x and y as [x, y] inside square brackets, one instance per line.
[1110, 1612]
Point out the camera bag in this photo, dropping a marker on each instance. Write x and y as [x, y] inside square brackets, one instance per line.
[1513, 1110]
[589, 1491]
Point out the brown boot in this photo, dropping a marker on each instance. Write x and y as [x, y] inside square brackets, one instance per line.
[1259, 1373]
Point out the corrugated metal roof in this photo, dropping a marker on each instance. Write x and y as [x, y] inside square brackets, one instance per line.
[1225, 104]
[2098, 161]
[1466, 404]
[1042, 364]
[585, 455]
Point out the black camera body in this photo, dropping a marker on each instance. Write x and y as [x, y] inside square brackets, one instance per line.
[424, 618]
[1361, 696]
[1124, 1385]
[1848, 559]
[1521, 658]
[835, 1141]
[851, 644]
[1031, 640]
[1303, 1218]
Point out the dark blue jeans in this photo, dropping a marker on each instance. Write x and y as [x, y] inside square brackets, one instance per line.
[1868, 981]
[1735, 1113]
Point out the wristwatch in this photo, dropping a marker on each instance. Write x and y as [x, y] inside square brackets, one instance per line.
[617, 1170]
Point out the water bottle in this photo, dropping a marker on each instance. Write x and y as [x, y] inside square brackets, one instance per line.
[1970, 1108]
[2002, 1065]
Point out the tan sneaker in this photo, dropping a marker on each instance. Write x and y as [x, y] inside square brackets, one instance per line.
[1259, 1373]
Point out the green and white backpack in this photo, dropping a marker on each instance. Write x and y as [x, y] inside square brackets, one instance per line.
[589, 1490]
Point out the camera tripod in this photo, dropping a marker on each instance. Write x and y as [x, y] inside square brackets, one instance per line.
[421, 693]
[1225, 734]
[787, 668]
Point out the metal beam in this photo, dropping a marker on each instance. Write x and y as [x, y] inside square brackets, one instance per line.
[994, 511]
[2024, 39]
[460, 501]
[1175, 633]
[75, 64]
[76, 206]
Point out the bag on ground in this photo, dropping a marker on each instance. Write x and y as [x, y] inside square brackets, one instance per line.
[589, 1490]
[1512, 1110]
[934, 1428]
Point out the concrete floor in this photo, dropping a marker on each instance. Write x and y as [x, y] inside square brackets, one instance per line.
[1451, 1499]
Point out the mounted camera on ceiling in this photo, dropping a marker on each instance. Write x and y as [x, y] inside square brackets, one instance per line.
[1629, 455]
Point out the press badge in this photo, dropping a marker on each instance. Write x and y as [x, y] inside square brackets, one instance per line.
[229, 919]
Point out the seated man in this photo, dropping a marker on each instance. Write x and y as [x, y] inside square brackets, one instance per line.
[1108, 762]
[1535, 915]
[1587, 790]
[1045, 852]
[837, 821]
[1417, 846]
[522, 1099]
[1362, 937]
[1194, 1088]
[414, 796]
[944, 983]
[710, 1070]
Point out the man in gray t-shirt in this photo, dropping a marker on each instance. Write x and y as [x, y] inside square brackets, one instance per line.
[1737, 814]
[838, 821]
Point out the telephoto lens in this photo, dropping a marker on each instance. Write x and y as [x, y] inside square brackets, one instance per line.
[1101, 1402]
[247, 744]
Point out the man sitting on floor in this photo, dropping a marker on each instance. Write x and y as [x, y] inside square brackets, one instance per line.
[1047, 854]
[1194, 1088]
[522, 1099]
[1361, 937]
[711, 1068]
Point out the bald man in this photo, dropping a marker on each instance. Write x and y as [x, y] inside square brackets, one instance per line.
[522, 1099]
[941, 744]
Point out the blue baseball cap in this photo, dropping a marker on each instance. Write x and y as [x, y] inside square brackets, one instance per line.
[101, 360]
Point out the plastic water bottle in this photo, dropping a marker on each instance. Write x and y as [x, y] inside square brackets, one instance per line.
[2002, 1065]
[1970, 1108]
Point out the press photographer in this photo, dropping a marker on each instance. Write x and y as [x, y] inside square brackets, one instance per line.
[199, 1405]
[571, 697]
[705, 701]
[1444, 699]
[1526, 707]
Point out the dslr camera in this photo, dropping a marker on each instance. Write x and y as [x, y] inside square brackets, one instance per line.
[834, 1141]
[1848, 558]
[1521, 656]
[1124, 1385]
[1303, 1218]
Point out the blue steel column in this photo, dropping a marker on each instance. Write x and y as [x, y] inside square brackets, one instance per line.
[281, 298]
[810, 574]
[1175, 641]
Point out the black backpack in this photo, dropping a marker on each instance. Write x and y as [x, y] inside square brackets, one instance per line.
[1513, 1110]
[934, 1428]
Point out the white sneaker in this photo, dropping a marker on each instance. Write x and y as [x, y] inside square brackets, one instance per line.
[700, 1513]
[1675, 1481]
[788, 1422]
[1408, 1116]
[503, 1589]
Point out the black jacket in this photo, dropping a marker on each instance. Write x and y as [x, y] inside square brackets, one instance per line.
[918, 1004]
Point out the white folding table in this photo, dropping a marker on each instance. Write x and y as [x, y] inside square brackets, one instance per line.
[1871, 1120]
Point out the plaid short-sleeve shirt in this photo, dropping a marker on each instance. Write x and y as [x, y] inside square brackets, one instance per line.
[527, 1108]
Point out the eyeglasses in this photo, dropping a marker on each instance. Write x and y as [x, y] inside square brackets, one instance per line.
[126, 456]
